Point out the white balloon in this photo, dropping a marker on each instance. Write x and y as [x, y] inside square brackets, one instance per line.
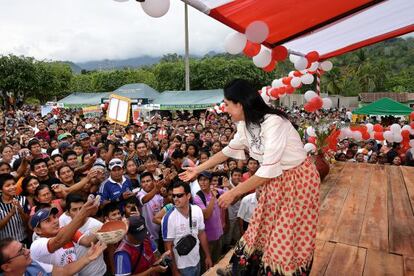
[370, 127]
[295, 82]
[388, 136]
[307, 79]
[326, 65]
[346, 132]
[293, 58]
[311, 131]
[357, 135]
[406, 127]
[313, 66]
[156, 8]
[412, 143]
[395, 128]
[291, 74]
[301, 63]
[263, 58]
[277, 83]
[257, 31]
[235, 43]
[412, 151]
[309, 147]
[397, 137]
[310, 95]
[121, 1]
[327, 103]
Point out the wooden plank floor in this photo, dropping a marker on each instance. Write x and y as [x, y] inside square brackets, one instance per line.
[366, 222]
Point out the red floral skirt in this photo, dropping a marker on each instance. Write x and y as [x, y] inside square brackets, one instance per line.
[282, 229]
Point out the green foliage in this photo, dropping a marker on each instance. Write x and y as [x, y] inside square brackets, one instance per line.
[386, 66]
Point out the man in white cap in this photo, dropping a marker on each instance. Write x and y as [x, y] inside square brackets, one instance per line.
[117, 188]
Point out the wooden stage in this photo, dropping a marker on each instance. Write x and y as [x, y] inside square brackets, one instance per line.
[366, 222]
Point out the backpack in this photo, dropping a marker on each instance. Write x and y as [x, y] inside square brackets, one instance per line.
[203, 197]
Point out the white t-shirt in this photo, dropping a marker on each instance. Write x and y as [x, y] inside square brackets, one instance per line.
[175, 226]
[195, 187]
[247, 206]
[149, 210]
[96, 267]
[61, 257]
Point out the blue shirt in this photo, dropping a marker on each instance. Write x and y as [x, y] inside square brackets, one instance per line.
[35, 269]
[112, 191]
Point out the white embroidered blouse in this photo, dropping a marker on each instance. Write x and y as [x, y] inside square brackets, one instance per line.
[275, 144]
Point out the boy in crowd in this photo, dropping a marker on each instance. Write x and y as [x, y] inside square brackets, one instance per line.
[206, 199]
[151, 202]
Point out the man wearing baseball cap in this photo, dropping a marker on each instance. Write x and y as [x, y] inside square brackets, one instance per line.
[85, 142]
[55, 245]
[137, 253]
[117, 187]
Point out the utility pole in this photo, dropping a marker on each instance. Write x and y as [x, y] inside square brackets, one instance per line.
[187, 54]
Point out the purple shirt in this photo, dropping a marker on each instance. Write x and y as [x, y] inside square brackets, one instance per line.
[213, 225]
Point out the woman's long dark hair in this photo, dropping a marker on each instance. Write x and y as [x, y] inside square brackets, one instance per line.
[254, 107]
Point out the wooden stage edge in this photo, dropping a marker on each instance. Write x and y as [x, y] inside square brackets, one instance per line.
[366, 222]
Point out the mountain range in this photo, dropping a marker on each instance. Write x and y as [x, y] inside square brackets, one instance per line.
[111, 64]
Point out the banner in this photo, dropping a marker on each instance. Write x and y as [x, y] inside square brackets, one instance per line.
[45, 109]
[94, 111]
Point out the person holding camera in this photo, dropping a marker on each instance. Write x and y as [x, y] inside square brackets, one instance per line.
[137, 254]
[183, 232]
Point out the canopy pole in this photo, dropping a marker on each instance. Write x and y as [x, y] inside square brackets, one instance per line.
[187, 54]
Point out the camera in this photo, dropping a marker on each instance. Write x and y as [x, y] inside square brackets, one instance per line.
[166, 261]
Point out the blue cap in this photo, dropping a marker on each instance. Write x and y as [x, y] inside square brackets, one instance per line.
[41, 215]
[206, 174]
[83, 135]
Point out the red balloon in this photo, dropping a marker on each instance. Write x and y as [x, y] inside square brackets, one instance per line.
[412, 116]
[270, 67]
[365, 135]
[316, 102]
[379, 136]
[274, 92]
[378, 128]
[297, 74]
[312, 56]
[289, 89]
[251, 49]
[308, 107]
[286, 80]
[279, 53]
[405, 133]
[412, 125]
[312, 140]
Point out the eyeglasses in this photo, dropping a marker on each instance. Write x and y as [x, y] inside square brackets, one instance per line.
[21, 252]
[178, 195]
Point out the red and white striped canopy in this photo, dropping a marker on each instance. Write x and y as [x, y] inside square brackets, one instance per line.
[331, 27]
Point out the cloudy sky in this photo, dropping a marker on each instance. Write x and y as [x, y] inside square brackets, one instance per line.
[83, 30]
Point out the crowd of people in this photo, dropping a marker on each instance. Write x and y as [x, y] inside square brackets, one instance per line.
[51, 165]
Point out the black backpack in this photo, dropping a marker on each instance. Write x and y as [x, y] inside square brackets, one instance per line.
[203, 197]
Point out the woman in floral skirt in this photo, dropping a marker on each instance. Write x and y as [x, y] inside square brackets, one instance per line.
[280, 239]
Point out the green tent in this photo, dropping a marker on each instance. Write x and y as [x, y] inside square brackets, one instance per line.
[384, 106]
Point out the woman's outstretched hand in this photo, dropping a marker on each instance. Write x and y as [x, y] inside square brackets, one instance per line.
[226, 199]
[189, 174]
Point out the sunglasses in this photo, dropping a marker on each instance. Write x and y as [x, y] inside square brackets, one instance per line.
[178, 195]
[21, 252]
[119, 163]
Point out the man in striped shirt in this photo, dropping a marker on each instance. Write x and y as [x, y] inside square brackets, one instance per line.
[13, 211]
